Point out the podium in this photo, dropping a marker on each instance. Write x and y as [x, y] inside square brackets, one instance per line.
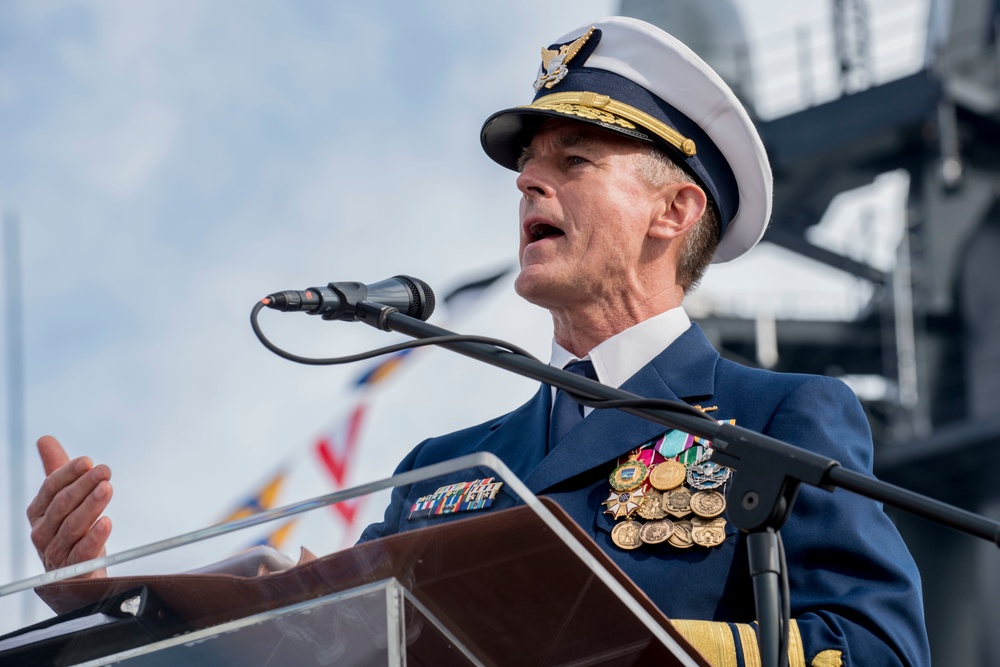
[518, 586]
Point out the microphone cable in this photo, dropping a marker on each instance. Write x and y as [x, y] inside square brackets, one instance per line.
[650, 403]
[389, 349]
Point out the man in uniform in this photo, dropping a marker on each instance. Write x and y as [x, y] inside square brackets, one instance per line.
[638, 167]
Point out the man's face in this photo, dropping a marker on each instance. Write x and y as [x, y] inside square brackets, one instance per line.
[585, 212]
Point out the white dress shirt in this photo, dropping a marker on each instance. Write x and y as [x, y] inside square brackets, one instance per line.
[621, 356]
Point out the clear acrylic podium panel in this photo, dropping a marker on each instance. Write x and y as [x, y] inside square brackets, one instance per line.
[378, 624]
[501, 587]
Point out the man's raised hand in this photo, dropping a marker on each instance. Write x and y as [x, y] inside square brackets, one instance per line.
[66, 522]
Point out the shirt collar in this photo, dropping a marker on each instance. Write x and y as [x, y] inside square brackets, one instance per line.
[621, 356]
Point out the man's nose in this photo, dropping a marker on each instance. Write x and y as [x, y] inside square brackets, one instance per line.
[532, 181]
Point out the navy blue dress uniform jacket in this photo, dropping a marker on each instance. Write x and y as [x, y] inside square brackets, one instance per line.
[854, 587]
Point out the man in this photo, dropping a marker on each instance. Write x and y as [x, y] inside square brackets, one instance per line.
[638, 167]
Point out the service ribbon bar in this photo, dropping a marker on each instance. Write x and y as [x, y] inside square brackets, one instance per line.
[478, 494]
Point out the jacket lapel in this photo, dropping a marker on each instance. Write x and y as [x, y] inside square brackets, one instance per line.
[519, 438]
[685, 370]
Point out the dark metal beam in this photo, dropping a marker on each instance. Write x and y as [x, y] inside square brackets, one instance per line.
[775, 234]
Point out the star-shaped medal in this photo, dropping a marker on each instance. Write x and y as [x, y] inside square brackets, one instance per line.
[623, 504]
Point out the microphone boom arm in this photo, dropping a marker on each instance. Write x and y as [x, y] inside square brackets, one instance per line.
[765, 497]
[764, 494]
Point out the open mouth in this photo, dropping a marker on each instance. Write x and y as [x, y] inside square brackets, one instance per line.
[541, 230]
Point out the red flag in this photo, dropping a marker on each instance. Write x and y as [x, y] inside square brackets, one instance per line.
[335, 451]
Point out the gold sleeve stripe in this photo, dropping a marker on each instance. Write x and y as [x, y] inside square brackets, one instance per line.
[713, 640]
[716, 643]
[751, 652]
[796, 654]
[595, 106]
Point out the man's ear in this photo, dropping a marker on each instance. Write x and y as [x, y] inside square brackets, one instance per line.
[680, 207]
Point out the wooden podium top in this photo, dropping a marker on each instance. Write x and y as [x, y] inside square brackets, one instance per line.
[503, 583]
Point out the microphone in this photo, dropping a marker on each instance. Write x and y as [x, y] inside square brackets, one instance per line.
[339, 301]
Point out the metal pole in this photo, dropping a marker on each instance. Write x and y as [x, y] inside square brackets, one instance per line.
[906, 355]
[15, 401]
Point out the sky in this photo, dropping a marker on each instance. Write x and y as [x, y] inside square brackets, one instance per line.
[171, 162]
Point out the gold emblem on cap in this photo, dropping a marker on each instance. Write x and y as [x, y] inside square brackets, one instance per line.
[554, 61]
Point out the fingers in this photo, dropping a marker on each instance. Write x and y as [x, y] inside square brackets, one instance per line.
[71, 530]
[65, 488]
[65, 516]
[90, 546]
[52, 453]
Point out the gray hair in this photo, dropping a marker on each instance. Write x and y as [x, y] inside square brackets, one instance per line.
[657, 168]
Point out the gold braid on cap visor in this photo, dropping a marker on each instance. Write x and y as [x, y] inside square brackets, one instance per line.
[593, 106]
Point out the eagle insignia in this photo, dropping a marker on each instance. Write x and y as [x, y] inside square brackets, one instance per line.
[554, 61]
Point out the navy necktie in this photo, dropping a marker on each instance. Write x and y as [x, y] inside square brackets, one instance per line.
[567, 413]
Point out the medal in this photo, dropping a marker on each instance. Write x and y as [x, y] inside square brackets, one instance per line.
[706, 475]
[655, 532]
[622, 504]
[629, 475]
[708, 504]
[667, 475]
[625, 535]
[651, 506]
[677, 502]
[672, 443]
[681, 535]
[650, 488]
[708, 532]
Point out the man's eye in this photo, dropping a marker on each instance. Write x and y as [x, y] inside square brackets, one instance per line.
[574, 160]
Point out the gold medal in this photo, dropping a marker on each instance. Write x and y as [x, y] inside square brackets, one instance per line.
[681, 535]
[651, 507]
[708, 532]
[655, 532]
[629, 475]
[667, 475]
[625, 535]
[708, 504]
[677, 502]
